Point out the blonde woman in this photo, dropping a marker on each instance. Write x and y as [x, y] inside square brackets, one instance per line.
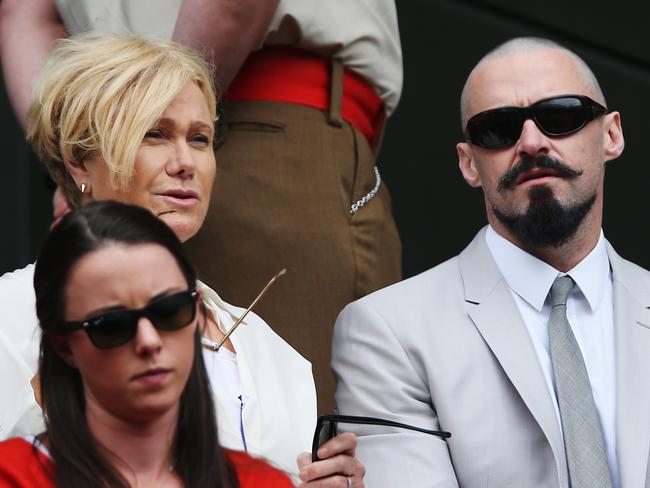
[132, 120]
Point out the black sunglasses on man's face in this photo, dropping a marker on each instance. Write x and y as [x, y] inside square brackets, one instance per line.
[555, 117]
[326, 428]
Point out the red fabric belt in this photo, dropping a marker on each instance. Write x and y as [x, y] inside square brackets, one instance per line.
[291, 75]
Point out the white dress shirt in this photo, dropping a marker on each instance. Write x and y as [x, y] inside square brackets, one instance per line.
[225, 382]
[590, 312]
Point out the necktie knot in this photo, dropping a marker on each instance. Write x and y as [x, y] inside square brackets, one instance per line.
[561, 289]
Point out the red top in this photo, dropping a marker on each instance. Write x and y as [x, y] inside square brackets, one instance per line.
[21, 467]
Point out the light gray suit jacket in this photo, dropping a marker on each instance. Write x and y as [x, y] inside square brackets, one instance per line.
[448, 349]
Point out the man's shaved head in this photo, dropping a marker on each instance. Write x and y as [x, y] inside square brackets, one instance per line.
[521, 45]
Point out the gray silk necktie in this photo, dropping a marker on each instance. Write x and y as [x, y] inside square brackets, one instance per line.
[583, 436]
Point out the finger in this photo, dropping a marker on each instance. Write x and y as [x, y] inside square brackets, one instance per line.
[55, 222]
[60, 205]
[338, 481]
[341, 464]
[304, 458]
[342, 443]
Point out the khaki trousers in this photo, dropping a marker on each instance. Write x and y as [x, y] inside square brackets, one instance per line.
[286, 178]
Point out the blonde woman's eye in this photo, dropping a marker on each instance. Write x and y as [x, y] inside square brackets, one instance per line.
[201, 139]
[153, 134]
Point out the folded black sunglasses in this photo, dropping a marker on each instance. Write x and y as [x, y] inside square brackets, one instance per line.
[117, 327]
[556, 117]
[326, 428]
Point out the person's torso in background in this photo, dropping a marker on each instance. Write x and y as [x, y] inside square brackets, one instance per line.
[362, 33]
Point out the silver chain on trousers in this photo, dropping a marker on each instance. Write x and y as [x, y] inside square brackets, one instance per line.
[583, 437]
[368, 196]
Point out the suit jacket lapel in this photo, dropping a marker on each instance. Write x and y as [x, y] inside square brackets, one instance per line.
[632, 324]
[497, 318]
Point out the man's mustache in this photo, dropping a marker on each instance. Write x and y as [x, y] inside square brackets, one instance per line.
[526, 164]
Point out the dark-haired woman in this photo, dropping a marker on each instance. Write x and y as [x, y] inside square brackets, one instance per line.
[122, 378]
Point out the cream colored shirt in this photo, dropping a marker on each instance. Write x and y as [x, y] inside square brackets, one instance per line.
[363, 34]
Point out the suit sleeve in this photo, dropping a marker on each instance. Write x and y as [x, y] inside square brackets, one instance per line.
[376, 377]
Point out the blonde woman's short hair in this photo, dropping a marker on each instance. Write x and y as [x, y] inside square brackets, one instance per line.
[99, 95]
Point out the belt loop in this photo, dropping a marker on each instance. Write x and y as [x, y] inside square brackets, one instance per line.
[336, 94]
[375, 145]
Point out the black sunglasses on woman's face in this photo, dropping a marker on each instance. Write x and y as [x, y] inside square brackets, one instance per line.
[117, 327]
[555, 117]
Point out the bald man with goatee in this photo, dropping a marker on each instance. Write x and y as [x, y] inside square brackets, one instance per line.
[532, 346]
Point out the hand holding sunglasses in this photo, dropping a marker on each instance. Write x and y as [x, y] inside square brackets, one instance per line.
[555, 117]
[326, 428]
[117, 327]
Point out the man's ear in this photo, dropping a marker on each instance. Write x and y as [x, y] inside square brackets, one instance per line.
[78, 171]
[614, 140]
[60, 345]
[467, 165]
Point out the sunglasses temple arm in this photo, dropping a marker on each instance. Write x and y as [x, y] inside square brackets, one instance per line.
[250, 307]
[350, 419]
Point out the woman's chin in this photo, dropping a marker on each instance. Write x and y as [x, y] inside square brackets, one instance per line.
[183, 226]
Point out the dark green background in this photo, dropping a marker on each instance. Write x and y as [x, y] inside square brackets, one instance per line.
[436, 212]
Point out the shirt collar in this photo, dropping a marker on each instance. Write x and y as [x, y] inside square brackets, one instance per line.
[517, 267]
[215, 303]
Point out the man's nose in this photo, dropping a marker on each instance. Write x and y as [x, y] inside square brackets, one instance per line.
[532, 141]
